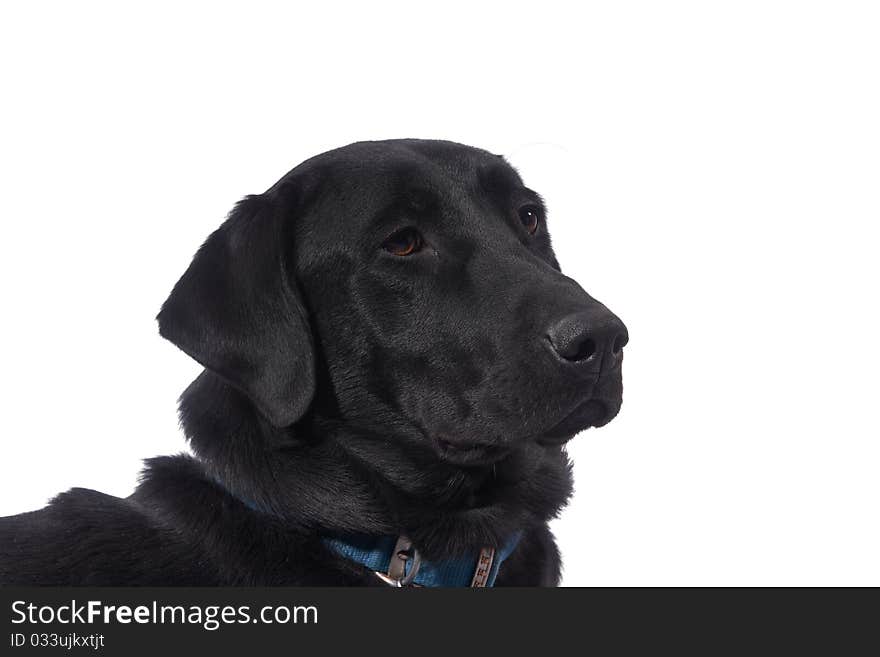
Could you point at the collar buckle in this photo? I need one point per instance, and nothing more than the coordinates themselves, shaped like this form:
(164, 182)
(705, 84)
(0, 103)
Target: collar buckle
(397, 575)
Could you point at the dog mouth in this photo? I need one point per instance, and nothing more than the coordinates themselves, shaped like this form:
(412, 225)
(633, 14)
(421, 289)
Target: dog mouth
(591, 413)
(595, 411)
(469, 453)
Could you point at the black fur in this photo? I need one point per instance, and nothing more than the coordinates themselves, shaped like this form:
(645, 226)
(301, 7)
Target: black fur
(351, 390)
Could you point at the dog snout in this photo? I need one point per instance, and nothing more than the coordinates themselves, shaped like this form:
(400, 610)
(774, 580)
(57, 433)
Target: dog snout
(591, 338)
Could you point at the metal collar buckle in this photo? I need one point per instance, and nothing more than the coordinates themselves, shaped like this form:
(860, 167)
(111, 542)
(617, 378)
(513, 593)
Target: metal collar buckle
(397, 575)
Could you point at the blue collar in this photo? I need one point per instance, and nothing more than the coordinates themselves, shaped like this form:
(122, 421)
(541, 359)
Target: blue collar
(377, 552)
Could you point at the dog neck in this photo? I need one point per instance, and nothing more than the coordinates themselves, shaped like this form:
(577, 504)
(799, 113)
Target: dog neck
(334, 479)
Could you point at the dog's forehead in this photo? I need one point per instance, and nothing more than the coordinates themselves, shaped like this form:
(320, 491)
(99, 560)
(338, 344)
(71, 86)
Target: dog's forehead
(368, 187)
(418, 172)
(451, 157)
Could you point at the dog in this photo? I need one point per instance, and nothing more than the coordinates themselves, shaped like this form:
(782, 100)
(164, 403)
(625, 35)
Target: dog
(393, 363)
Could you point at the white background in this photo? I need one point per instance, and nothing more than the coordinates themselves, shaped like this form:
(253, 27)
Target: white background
(712, 174)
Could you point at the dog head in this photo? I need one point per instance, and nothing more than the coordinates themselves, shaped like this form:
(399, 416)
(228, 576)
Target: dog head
(407, 289)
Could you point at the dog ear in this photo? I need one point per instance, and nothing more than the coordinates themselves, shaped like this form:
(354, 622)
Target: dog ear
(237, 311)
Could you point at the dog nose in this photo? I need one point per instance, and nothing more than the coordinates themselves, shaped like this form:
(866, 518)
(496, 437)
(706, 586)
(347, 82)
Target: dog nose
(589, 337)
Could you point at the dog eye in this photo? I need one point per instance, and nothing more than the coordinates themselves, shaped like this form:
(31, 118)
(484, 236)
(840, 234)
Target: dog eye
(530, 216)
(404, 242)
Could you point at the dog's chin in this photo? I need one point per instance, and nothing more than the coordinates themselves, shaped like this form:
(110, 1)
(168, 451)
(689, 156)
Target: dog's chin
(591, 413)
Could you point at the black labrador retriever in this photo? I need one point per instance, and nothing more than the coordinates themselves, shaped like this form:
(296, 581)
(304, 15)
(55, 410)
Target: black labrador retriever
(393, 364)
